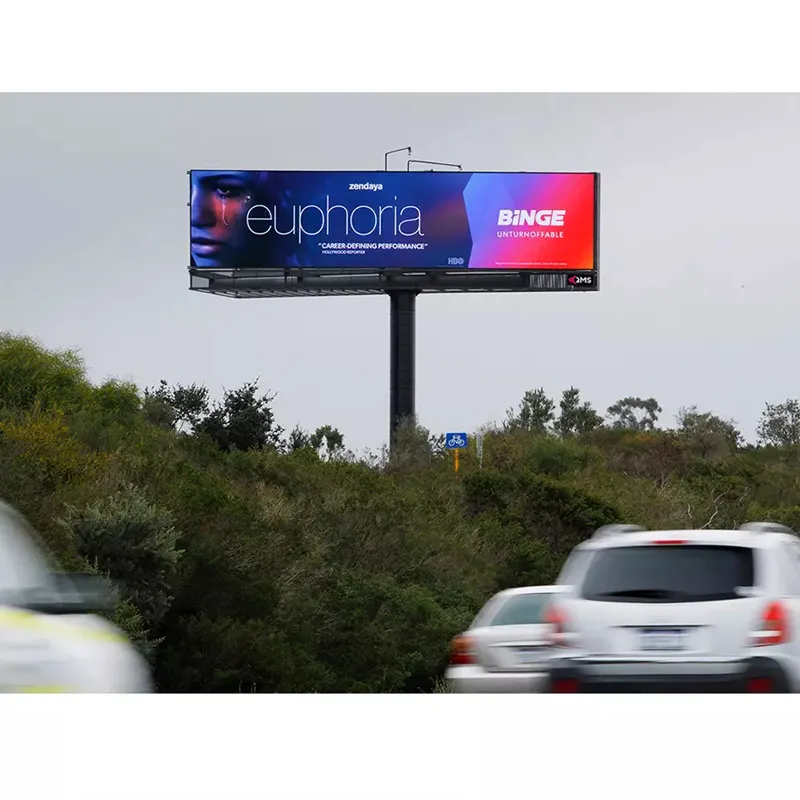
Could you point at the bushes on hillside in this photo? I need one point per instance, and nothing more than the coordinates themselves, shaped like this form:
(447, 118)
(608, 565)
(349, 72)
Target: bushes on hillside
(246, 559)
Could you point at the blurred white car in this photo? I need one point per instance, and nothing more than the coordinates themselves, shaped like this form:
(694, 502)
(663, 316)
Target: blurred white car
(679, 611)
(50, 637)
(507, 647)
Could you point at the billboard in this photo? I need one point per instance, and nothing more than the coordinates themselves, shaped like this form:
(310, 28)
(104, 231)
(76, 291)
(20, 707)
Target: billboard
(394, 220)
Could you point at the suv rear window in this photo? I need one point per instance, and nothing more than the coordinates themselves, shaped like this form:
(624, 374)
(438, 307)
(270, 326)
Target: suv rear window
(574, 567)
(668, 574)
(521, 609)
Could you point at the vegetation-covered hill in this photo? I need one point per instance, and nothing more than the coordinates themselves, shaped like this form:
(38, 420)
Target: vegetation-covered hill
(245, 556)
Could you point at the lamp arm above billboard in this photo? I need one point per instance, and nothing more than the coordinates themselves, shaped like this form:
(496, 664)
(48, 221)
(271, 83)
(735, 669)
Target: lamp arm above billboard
(390, 152)
(435, 163)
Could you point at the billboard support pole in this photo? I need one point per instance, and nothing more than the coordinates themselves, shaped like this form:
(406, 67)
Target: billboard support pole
(402, 358)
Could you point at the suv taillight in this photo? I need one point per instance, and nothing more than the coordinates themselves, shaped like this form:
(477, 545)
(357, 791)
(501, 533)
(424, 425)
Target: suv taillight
(557, 619)
(565, 686)
(462, 651)
(774, 626)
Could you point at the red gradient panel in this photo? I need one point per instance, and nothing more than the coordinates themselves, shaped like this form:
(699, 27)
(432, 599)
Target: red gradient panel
(570, 246)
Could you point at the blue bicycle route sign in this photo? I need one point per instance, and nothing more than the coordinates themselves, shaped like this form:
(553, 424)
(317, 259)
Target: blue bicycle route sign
(455, 441)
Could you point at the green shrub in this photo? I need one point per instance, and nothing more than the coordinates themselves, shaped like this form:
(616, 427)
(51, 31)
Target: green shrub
(134, 542)
(34, 377)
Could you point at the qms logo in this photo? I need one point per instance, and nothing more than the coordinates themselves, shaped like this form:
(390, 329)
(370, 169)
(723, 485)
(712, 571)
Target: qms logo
(520, 217)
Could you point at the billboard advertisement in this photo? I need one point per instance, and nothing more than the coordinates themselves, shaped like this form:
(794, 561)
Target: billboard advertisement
(393, 220)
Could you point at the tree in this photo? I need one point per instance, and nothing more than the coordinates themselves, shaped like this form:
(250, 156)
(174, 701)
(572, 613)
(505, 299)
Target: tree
(182, 407)
(634, 413)
(535, 414)
(576, 417)
(414, 447)
(242, 421)
(325, 436)
(708, 435)
(779, 425)
(298, 439)
(329, 438)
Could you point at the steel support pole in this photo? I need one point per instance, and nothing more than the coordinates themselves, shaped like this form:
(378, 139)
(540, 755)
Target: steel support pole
(402, 344)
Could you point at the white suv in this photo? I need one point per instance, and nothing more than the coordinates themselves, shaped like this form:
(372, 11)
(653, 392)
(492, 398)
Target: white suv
(679, 611)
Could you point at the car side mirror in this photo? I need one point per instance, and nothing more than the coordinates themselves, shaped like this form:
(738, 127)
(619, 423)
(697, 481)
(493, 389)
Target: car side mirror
(90, 590)
(70, 593)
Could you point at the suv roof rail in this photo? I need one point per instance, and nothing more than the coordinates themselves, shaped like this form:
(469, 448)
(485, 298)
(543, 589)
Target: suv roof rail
(612, 530)
(767, 527)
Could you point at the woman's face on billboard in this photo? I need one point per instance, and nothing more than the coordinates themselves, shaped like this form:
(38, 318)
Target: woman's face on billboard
(219, 205)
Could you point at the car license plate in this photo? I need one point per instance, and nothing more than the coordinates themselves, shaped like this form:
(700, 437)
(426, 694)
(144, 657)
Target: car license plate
(664, 639)
(529, 655)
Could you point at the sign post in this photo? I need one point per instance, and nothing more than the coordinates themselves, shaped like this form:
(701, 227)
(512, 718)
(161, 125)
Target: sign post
(479, 449)
(456, 442)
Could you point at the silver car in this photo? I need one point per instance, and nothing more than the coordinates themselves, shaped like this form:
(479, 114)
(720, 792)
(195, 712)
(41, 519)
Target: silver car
(507, 647)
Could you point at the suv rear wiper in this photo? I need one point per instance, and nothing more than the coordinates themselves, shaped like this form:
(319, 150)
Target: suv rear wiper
(645, 594)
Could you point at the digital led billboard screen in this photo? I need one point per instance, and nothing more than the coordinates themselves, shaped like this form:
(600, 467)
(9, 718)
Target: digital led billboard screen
(394, 220)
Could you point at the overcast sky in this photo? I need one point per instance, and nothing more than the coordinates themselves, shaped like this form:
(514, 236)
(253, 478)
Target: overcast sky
(699, 250)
